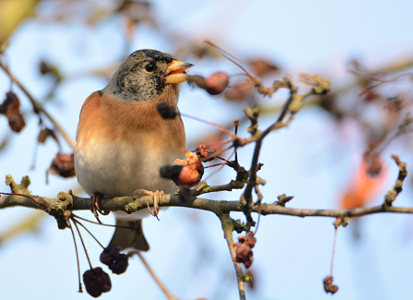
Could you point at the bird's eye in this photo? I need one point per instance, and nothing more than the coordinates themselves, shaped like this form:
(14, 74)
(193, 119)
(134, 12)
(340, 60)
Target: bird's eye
(150, 67)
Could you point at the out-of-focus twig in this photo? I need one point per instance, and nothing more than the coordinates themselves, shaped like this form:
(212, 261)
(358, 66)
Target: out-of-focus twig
(164, 289)
(38, 107)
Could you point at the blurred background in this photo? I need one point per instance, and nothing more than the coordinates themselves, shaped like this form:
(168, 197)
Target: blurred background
(335, 153)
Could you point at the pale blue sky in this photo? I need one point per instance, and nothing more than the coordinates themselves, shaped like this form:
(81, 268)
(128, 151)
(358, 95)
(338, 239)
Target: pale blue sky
(306, 160)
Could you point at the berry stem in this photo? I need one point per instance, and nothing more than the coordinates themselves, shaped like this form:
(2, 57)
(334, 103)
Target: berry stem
(229, 56)
(77, 260)
(220, 168)
(209, 123)
(102, 224)
(88, 231)
(83, 245)
(333, 251)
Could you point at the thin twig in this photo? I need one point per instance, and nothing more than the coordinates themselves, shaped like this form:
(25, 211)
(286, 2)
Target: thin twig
(221, 166)
(254, 163)
(228, 56)
(222, 128)
(236, 125)
(38, 201)
(227, 227)
(164, 289)
(258, 203)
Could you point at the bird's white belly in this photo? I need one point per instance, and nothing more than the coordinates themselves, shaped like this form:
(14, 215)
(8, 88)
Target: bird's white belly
(118, 169)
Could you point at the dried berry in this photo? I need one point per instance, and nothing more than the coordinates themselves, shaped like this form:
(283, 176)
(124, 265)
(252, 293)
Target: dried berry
(250, 239)
(216, 83)
(106, 255)
(116, 261)
(374, 164)
(244, 254)
(167, 111)
(205, 152)
(262, 66)
(119, 264)
(11, 108)
(62, 165)
(192, 170)
(243, 249)
(329, 287)
(239, 91)
(210, 146)
(96, 282)
(44, 134)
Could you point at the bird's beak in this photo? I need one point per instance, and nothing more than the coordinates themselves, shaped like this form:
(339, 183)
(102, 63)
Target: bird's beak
(175, 73)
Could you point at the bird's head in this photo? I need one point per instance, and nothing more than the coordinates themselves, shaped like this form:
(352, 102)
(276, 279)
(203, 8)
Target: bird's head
(145, 75)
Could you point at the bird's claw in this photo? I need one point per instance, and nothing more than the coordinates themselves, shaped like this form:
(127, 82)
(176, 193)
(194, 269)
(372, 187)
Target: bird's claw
(95, 206)
(156, 196)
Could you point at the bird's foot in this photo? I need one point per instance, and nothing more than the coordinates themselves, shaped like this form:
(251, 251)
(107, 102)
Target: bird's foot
(95, 206)
(156, 195)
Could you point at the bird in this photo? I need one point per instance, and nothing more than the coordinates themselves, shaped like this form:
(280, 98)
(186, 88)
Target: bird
(122, 140)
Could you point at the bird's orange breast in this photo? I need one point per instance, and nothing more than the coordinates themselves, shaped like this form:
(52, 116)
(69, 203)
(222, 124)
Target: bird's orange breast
(121, 145)
(102, 117)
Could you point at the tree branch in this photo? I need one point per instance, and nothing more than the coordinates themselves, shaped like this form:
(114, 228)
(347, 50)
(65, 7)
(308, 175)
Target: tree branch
(129, 204)
(228, 227)
(252, 181)
(58, 207)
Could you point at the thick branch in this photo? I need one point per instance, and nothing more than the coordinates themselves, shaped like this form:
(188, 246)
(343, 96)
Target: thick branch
(130, 205)
(66, 201)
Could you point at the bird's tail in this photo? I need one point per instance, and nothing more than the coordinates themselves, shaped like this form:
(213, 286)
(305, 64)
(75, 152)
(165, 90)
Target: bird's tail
(129, 234)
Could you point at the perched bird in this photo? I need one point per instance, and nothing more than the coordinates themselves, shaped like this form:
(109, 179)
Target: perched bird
(122, 140)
